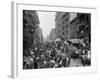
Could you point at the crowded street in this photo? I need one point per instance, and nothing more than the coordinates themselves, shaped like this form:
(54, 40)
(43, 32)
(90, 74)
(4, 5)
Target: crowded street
(55, 55)
(56, 39)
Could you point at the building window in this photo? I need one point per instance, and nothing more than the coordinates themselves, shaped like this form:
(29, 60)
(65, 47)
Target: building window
(63, 27)
(63, 33)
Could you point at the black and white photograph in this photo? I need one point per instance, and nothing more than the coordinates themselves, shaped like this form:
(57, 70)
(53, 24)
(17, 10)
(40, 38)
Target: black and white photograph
(55, 39)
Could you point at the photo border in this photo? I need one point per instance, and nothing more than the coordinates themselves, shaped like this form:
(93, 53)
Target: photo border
(17, 28)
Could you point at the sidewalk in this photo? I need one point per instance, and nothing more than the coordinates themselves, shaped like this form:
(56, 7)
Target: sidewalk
(75, 62)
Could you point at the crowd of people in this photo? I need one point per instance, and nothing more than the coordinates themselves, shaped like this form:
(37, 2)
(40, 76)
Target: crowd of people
(54, 55)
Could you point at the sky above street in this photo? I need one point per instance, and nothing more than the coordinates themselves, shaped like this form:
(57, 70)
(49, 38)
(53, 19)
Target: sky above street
(47, 22)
